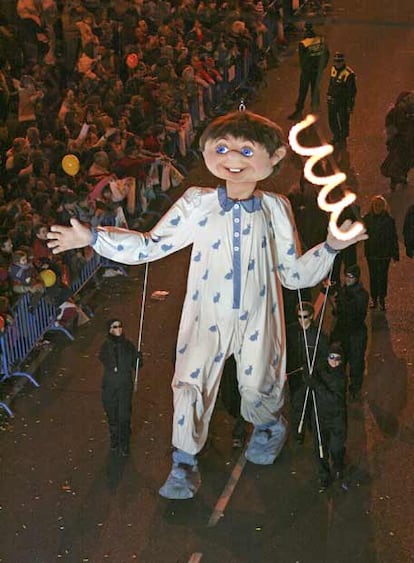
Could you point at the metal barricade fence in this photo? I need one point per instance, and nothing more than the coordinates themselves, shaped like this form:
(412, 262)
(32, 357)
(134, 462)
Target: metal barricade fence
(30, 324)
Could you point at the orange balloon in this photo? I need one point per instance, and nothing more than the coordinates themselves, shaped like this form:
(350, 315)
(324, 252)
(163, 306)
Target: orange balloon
(48, 277)
(132, 60)
(70, 164)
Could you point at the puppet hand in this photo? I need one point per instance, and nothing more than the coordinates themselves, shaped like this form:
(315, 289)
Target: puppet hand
(338, 244)
(66, 238)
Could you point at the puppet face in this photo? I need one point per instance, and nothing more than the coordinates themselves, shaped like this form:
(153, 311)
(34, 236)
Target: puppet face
(238, 160)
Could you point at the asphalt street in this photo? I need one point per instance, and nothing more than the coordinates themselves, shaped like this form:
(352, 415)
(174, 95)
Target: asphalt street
(64, 497)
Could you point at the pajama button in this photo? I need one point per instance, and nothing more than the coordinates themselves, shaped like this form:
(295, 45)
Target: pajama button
(236, 248)
(236, 235)
(236, 206)
(237, 220)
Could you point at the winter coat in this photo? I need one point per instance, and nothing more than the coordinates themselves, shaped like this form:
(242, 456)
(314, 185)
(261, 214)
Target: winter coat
(408, 231)
(330, 389)
(351, 308)
(383, 240)
(118, 356)
(296, 351)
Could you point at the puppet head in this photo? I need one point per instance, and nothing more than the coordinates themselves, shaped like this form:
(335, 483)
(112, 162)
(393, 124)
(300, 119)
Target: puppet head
(242, 148)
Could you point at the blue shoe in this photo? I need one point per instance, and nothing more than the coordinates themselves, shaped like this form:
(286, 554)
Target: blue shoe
(267, 442)
(184, 479)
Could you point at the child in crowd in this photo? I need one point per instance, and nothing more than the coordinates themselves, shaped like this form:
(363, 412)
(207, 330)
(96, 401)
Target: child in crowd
(24, 277)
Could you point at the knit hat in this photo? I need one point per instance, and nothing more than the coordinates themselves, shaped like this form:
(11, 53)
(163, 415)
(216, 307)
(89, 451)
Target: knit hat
(336, 348)
(354, 271)
(110, 322)
(339, 57)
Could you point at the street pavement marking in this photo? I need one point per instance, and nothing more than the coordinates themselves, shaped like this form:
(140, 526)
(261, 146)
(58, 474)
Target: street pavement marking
(222, 502)
(195, 558)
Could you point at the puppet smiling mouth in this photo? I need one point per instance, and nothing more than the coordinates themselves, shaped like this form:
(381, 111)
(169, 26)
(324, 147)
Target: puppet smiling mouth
(235, 170)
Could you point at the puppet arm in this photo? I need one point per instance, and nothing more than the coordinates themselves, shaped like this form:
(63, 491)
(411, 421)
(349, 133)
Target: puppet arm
(306, 270)
(173, 232)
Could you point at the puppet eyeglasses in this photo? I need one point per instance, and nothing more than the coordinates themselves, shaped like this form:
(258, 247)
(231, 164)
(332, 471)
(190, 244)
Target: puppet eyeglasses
(303, 316)
(116, 326)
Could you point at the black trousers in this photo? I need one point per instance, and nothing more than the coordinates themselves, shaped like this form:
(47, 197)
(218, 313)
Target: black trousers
(117, 405)
(355, 347)
(310, 79)
(333, 439)
(338, 117)
(378, 277)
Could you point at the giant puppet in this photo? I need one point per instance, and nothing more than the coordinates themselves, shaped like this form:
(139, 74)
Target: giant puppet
(244, 246)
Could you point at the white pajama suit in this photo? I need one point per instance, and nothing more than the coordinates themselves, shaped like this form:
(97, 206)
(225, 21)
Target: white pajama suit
(233, 302)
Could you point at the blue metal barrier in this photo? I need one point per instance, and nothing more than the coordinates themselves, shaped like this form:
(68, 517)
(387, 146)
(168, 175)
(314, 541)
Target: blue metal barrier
(31, 324)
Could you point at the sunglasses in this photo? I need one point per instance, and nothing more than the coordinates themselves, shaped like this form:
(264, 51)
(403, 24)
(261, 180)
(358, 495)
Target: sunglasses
(116, 326)
(335, 357)
(303, 316)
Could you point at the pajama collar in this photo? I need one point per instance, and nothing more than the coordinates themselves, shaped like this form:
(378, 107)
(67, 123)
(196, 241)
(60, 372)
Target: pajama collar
(250, 205)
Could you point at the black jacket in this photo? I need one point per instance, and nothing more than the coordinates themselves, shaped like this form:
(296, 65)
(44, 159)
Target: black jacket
(296, 351)
(119, 357)
(351, 306)
(383, 239)
(408, 231)
(330, 390)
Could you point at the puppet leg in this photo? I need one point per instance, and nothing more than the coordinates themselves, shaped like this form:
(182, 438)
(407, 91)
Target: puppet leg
(267, 441)
(184, 478)
(261, 389)
(192, 413)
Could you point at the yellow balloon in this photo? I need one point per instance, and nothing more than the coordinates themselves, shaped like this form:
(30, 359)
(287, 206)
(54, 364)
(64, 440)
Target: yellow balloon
(70, 164)
(48, 277)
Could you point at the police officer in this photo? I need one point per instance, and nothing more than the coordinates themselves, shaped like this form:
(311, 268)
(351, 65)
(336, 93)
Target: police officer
(341, 99)
(313, 58)
(351, 306)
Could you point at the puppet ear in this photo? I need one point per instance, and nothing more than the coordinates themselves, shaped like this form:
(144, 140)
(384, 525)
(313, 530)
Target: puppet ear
(278, 155)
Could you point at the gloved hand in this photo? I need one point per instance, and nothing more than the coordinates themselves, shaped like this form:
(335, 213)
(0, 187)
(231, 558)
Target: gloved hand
(310, 382)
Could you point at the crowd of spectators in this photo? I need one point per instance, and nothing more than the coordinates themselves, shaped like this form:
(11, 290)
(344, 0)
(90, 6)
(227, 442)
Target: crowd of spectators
(120, 86)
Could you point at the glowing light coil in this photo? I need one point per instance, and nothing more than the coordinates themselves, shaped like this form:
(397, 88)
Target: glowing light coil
(315, 154)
